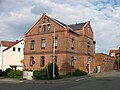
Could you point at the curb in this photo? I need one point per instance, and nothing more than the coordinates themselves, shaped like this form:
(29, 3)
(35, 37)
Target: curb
(67, 80)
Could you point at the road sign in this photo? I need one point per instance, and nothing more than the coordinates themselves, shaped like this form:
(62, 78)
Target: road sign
(89, 59)
(33, 62)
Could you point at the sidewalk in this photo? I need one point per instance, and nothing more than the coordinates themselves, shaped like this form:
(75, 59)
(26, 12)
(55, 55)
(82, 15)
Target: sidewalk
(64, 80)
(58, 81)
(10, 80)
(113, 73)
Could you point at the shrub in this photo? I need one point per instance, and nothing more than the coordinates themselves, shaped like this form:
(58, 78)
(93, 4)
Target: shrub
(40, 74)
(77, 73)
(70, 73)
(14, 74)
(46, 73)
(7, 71)
(117, 61)
(49, 70)
(1, 73)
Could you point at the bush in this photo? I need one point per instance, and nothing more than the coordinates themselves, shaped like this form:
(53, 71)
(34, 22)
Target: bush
(77, 73)
(49, 70)
(7, 71)
(40, 74)
(14, 74)
(1, 72)
(117, 61)
(46, 73)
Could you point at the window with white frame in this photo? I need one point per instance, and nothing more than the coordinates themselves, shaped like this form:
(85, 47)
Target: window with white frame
(43, 44)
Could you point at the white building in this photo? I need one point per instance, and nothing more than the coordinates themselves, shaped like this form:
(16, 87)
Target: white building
(11, 54)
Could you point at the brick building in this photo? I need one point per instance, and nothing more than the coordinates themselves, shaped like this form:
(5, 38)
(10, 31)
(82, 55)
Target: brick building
(74, 45)
(105, 62)
(115, 53)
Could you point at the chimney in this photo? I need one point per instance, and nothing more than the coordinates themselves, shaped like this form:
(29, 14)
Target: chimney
(44, 13)
(17, 41)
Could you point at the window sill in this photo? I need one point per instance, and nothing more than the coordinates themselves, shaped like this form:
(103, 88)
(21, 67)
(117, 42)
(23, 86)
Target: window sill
(42, 47)
(32, 49)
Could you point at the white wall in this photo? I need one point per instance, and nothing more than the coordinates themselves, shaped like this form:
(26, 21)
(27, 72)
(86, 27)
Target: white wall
(11, 57)
(1, 56)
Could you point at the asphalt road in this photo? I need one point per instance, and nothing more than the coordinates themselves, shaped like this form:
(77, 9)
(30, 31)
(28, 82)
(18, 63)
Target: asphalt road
(108, 82)
(104, 83)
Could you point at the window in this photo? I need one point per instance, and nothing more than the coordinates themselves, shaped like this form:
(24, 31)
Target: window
(39, 28)
(72, 61)
(72, 43)
(88, 42)
(88, 49)
(42, 61)
(31, 61)
(18, 49)
(44, 28)
(56, 42)
(48, 27)
(32, 44)
(13, 48)
(22, 43)
(43, 44)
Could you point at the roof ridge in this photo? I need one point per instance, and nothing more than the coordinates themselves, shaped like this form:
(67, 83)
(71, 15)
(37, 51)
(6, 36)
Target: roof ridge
(59, 22)
(78, 23)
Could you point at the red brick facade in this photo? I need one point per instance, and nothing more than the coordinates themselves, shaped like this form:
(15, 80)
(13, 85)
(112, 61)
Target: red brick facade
(73, 46)
(105, 61)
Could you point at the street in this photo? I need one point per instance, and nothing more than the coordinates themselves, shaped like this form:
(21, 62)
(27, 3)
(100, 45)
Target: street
(105, 82)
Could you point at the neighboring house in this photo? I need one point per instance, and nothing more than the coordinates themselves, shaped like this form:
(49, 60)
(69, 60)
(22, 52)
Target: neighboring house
(104, 62)
(74, 45)
(11, 53)
(116, 55)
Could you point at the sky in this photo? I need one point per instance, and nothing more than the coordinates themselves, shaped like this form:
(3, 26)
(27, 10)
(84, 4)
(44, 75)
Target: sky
(18, 16)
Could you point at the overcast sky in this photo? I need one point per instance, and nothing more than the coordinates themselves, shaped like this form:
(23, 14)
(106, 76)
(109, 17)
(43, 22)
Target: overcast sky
(17, 16)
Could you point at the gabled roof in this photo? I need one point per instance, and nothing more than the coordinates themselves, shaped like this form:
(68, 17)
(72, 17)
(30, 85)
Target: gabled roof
(60, 22)
(77, 26)
(9, 44)
(71, 27)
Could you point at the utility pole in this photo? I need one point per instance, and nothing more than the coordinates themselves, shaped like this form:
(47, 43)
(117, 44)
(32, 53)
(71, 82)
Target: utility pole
(54, 56)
